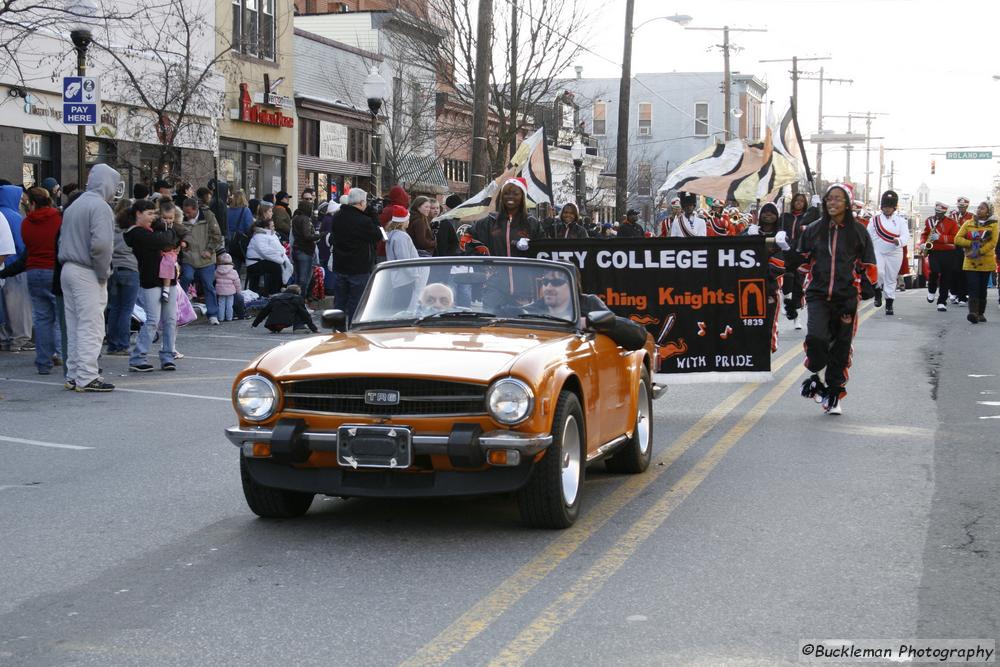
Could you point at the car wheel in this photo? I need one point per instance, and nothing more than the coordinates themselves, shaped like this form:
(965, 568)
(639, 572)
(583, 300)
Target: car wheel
(271, 503)
(551, 498)
(635, 455)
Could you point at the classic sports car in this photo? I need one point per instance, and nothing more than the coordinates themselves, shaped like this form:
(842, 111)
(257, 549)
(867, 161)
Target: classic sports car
(456, 377)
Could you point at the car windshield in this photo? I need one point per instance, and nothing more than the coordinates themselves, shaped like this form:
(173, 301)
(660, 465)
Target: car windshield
(446, 289)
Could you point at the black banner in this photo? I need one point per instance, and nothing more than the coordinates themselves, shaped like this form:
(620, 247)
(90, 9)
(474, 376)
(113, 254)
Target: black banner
(704, 300)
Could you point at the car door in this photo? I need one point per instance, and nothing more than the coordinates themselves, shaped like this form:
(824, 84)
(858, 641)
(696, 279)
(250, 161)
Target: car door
(610, 365)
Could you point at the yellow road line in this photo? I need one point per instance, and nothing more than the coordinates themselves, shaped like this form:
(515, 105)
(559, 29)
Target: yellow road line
(480, 616)
(548, 622)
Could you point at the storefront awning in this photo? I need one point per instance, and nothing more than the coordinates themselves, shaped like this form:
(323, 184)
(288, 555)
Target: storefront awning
(422, 173)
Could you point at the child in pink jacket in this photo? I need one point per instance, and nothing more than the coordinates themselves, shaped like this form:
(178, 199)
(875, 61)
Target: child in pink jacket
(227, 284)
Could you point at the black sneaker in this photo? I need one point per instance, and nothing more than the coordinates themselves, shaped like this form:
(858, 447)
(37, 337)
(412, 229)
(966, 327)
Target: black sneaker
(140, 368)
(69, 385)
(168, 366)
(97, 385)
(164, 295)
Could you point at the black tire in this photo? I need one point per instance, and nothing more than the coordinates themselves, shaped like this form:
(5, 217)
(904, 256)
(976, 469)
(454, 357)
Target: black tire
(542, 502)
(271, 503)
(631, 457)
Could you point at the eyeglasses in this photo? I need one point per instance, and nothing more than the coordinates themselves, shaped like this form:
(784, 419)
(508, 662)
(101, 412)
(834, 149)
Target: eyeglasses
(555, 282)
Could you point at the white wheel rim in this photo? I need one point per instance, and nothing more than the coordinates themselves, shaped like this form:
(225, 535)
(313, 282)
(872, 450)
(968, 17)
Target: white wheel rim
(570, 460)
(642, 416)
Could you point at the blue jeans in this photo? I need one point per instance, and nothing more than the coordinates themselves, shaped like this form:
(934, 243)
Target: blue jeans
(44, 319)
(155, 310)
(303, 270)
(347, 290)
(205, 276)
(123, 288)
(226, 307)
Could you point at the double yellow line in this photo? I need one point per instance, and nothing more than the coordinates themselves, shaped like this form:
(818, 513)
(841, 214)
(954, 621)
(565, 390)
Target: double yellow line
(477, 619)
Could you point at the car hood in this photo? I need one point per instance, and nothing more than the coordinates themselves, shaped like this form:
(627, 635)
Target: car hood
(476, 355)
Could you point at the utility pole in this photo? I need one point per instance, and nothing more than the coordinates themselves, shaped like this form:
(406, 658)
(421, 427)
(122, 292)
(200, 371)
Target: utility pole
(479, 167)
(819, 130)
(624, 102)
(795, 60)
(726, 75)
(868, 117)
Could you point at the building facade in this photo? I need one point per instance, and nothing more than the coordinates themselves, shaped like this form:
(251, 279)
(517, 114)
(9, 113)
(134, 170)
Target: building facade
(258, 132)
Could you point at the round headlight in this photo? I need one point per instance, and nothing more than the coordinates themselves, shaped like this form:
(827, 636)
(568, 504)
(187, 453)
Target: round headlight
(256, 398)
(509, 401)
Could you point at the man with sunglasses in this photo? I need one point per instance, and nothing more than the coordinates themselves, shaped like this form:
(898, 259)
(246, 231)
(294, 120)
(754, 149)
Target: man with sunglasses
(836, 251)
(556, 297)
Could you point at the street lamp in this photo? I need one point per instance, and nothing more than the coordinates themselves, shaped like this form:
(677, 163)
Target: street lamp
(83, 12)
(577, 151)
(374, 89)
(624, 102)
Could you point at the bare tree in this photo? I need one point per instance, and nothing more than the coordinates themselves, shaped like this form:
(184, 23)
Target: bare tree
(534, 42)
(160, 61)
(23, 21)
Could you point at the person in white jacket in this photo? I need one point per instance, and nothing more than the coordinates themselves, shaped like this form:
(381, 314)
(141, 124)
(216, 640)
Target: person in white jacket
(266, 259)
(687, 223)
(406, 283)
(890, 232)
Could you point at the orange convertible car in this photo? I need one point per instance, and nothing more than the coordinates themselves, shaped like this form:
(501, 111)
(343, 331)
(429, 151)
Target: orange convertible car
(456, 377)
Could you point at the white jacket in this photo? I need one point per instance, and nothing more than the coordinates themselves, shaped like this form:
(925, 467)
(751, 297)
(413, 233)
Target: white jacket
(889, 235)
(681, 226)
(264, 245)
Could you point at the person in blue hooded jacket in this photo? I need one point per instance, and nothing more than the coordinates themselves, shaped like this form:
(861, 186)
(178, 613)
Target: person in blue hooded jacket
(15, 333)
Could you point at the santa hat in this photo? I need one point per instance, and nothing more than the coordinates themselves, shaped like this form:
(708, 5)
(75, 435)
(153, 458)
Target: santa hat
(848, 190)
(940, 206)
(517, 181)
(675, 202)
(399, 214)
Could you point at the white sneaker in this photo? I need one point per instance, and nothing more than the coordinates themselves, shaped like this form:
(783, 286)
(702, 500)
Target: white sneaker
(942, 308)
(930, 297)
(835, 410)
(213, 320)
(178, 355)
(798, 323)
(953, 300)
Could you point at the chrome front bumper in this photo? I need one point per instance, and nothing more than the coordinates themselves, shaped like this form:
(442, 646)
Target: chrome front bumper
(528, 444)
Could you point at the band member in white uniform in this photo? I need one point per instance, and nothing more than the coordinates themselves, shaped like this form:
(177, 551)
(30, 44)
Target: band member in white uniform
(687, 223)
(889, 232)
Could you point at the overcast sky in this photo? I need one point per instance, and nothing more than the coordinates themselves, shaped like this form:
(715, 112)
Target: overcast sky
(928, 64)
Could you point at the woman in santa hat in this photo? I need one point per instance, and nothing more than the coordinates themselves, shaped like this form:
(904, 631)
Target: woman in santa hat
(406, 283)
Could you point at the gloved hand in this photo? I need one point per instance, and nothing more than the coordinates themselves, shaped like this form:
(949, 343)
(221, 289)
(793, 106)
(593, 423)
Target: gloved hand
(522, 244)
(781, 239)
(976, 236)
(753, 230)
(987, 234)
(933, 237)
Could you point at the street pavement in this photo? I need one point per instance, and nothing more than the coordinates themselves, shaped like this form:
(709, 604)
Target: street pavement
(125, 539)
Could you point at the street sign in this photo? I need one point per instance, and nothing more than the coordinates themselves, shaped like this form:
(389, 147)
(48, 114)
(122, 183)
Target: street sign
(81, 100)
(969, 155)
(833, 138)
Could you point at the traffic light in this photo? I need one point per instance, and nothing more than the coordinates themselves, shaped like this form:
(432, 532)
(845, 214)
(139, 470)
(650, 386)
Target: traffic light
(933, 165)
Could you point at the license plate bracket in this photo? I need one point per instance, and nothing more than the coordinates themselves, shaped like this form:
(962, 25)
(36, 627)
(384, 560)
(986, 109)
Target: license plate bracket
(366, 446)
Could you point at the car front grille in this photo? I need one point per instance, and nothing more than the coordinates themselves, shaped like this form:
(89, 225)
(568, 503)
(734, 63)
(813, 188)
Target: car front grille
(416, 397)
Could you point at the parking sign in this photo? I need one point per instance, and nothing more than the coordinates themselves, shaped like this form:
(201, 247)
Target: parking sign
(81, 100)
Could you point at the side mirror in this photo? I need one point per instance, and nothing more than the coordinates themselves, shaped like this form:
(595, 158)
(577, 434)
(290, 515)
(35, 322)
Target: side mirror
(335, 320)
(601, 320)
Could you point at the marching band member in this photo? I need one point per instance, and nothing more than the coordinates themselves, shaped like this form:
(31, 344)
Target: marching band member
(687, 223)
(835, 251)
(977, 239)
(718, 223)
(792, 223)
(889, 233)
(961, 215)
(768, 227)
(940, 231)
(675, 209)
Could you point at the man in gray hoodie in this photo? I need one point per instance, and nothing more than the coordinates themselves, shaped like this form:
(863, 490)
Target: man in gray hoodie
(86, 241)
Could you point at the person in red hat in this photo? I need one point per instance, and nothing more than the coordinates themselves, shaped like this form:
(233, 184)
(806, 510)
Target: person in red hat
(406, 285)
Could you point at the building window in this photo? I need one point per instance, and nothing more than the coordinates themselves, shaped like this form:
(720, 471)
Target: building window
(253, 28)
(644, 185)
(357, 146)
(645, 119)
(701, 119)
(308, 136)
(456, 170)
(600, 118)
